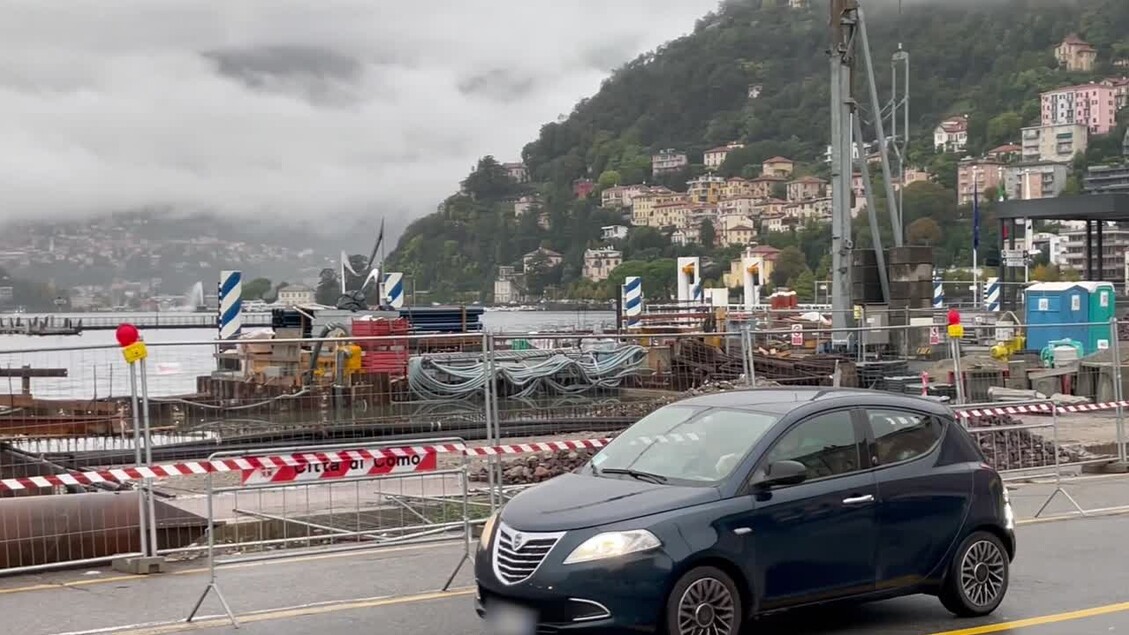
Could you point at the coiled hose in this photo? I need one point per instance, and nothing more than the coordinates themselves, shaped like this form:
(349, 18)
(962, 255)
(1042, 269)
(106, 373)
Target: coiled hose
(434, 378)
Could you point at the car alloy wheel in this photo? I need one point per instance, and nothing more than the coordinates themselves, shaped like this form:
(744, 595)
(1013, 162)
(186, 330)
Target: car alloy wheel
(982, 573)
(707, 608)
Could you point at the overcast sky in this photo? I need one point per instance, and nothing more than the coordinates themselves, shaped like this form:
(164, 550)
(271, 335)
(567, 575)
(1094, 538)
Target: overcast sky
(289, 107)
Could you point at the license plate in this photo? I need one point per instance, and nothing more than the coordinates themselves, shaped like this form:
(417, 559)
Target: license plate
(508, 619)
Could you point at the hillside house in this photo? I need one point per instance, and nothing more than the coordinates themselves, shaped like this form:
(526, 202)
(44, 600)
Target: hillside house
(806, 187)
(1076, 54)
(780, 167)
(582, 187)
(525, 204)
(668, 160)
(621, 195)
(741, 233)
(548, 256)
(705, 189)
(765, 185)
(1005, 153)
(643, 205)
(951, 135)
(599, 263)
(764, 253)
(613, 232)
(714, 157)
(516, 171)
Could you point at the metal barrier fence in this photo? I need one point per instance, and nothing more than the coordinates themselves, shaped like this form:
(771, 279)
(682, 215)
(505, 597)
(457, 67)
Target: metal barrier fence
(265, 394)
(294, 500)
(1023, 450)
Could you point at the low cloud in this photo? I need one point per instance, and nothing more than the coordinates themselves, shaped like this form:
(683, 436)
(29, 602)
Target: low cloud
(288, 109)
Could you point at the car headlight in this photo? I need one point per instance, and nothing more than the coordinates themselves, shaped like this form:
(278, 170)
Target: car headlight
(487, 530)
(613, 544)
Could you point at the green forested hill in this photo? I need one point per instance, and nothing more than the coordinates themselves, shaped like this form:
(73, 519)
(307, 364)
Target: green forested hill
(987, 59)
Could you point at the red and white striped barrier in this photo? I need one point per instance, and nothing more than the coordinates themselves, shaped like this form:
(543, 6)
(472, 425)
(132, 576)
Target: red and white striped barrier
(307, 467)
(331, 469)
(526, 448)
(1041, 408)
(280, 466)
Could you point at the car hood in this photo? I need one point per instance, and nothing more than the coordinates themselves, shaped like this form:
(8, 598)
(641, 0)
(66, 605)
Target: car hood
(576, 501)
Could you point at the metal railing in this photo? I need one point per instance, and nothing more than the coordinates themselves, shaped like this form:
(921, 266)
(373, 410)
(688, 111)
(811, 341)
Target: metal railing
(293, 509)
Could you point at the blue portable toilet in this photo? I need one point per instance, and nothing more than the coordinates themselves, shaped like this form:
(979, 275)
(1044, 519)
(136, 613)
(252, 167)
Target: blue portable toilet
(1102, 310)
(1065, 305)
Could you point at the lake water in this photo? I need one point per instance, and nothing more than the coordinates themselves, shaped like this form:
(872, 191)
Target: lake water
(95, 368)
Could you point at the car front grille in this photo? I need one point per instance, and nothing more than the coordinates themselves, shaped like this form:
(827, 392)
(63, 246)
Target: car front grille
(518, 554)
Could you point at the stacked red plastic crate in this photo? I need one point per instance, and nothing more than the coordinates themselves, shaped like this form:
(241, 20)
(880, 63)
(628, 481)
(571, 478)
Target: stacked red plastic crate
(389, 353)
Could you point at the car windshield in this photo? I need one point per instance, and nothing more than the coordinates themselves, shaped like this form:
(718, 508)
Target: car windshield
(683, 445)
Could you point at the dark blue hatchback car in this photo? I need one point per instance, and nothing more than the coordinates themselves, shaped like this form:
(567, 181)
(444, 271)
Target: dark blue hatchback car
(717, 509)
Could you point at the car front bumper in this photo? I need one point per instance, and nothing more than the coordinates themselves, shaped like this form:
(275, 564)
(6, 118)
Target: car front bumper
(624, 595)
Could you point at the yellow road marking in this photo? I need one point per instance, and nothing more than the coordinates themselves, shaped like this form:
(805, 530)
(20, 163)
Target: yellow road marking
(195, 570)
(1041, 621)
(280, 614)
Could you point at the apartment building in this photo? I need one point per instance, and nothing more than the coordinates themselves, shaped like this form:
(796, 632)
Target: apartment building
(1091, 105)
(1115, 243)
(1054, 142)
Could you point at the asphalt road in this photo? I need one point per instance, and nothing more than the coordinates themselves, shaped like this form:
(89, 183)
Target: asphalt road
(1063, 567)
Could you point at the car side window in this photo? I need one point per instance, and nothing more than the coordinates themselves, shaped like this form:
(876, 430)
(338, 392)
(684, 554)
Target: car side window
(825, 444)
(902, 436)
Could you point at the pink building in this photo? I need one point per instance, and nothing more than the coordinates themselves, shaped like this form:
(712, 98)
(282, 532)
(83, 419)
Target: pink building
(1090, 105)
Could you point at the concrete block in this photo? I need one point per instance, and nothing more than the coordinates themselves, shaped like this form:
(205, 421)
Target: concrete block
(1113, 467)
(138, 565)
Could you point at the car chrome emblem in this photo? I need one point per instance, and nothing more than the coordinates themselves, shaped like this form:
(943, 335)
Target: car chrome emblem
(519, 541)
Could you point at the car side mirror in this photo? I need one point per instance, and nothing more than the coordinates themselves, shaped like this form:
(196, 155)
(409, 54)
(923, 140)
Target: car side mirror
(783, 473)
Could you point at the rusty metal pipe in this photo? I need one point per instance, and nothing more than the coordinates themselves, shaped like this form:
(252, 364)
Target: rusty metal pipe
(68, 529)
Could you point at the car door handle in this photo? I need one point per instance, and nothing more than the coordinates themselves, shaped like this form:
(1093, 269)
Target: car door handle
(858, 500)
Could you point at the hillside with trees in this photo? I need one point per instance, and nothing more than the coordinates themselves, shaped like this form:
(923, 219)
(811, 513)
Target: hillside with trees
(756, 72)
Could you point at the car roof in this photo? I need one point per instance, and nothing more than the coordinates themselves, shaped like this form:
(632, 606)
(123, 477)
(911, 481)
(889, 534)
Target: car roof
(783, 400)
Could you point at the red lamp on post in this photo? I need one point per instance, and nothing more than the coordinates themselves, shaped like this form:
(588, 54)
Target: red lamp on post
(129, 339)
(956, 329)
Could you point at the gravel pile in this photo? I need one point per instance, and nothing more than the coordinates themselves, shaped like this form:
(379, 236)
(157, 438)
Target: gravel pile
(1019, 449)
(535, 468)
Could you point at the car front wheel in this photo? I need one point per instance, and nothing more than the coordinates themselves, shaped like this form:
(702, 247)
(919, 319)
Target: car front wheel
(705, 601)
(978, 576)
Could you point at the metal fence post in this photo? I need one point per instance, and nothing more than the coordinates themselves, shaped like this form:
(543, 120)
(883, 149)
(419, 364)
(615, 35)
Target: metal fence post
(142, 512)
(212, 584)
(147, 483)
(1058, 469)
(954, 346)
(748, 350)
(488, 413)
(1115, 350)
(492, 384)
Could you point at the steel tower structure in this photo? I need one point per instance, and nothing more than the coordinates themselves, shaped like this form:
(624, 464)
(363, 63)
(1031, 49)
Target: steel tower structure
(849, 41)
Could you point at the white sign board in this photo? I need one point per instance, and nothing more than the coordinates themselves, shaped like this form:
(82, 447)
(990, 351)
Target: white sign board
(1013, 257)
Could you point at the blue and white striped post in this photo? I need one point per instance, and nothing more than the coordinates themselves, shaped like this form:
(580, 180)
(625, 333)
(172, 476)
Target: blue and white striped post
(938, 292)
(992, 295)
(394, 289)
(632, 300)
(231, 304)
